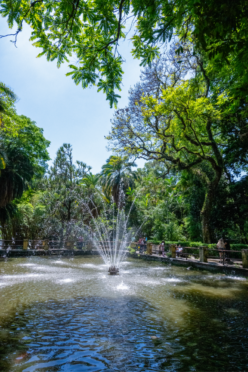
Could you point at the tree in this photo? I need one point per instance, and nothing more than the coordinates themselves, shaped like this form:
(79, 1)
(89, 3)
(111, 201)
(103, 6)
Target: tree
(25, 151)
(28, 220)
(7, 98)
(91, 181)
(176, 121)
(92, 32)
(26, 157)
(6, 94)
(117, 174)
(160, 209)
(63, 194)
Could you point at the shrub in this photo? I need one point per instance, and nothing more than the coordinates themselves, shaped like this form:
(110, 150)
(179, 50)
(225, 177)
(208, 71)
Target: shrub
(131, 250)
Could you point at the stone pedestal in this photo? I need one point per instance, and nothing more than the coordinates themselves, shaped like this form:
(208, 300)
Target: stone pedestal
(172, 248)
(245, 258)
(70, 244)
(25, 243)
(203, 253)
(149, 248)
(89, 246)
(45, 244)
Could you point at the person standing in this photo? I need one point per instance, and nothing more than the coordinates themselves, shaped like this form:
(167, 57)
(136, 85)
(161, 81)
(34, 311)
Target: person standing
(80, 242)
(141, 245)
(179, 250)
(162, 247)
(221, 246)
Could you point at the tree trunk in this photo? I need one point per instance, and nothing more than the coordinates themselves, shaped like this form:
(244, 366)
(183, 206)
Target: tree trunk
(207, 208)
(206, 230)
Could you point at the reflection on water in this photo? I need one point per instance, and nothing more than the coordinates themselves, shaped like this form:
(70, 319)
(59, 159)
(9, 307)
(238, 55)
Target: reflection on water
(69, 315)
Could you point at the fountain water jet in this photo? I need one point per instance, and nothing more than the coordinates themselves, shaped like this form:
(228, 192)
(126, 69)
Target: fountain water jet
(109, 232)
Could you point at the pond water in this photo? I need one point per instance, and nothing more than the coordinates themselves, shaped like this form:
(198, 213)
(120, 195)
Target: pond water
(70, 315)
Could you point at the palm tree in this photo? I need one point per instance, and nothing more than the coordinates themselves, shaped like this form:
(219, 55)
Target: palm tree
(91, 180)
(5, 94)
(117, 173)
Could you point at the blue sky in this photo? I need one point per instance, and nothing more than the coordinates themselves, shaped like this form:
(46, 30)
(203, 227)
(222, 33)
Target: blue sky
(66, 112)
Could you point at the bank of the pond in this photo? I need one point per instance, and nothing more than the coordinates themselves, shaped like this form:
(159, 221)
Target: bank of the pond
(43, 252)
(215, 267)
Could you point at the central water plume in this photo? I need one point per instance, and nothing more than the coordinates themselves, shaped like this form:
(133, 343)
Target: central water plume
(109, 232)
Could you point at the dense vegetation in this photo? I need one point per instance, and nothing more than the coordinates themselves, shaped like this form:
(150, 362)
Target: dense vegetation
(187, 117)
(38, 202)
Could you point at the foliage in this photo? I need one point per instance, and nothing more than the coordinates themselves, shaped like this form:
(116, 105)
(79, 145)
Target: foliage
(117, 174)
(6, 95)
(167, 195)
(26, 157)
(157, 202)
(62, 195)
(178, 122)
(28, 221)
(23, 157)
(131, 250)
(93, 30)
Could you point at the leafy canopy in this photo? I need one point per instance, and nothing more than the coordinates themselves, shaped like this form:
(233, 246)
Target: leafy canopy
(91, 31)
(23, 152)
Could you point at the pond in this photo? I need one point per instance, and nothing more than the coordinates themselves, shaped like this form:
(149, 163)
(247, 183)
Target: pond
(70, 315)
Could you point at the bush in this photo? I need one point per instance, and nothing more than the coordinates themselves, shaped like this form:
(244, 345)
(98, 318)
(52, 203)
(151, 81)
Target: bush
(131, 250)
(171, 230)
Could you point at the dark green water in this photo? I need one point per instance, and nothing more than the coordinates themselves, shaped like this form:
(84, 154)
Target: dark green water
(69, 315)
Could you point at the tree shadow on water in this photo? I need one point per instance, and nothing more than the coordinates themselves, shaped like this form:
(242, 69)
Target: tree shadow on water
(125, 334)
(216, 326)
(82, 334)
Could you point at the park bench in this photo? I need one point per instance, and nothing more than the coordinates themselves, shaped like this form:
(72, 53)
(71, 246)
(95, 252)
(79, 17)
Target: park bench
(183, 255)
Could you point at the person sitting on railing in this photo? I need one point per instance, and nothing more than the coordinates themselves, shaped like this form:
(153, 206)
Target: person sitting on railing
(179, 250)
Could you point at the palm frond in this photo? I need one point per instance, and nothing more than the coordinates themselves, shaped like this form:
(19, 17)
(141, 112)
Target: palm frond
(4, 90)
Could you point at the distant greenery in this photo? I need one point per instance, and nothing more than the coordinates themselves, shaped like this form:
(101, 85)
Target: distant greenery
(163, 207)
(166, 200)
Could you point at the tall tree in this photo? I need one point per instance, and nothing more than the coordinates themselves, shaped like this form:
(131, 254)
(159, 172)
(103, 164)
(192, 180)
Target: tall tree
(26, 159)
(63, 193)
(178, 122)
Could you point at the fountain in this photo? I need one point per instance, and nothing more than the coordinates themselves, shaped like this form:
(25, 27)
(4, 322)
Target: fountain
(113, 270)
(109, 232)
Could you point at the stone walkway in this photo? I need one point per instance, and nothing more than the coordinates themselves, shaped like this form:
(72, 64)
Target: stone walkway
(212, 264)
